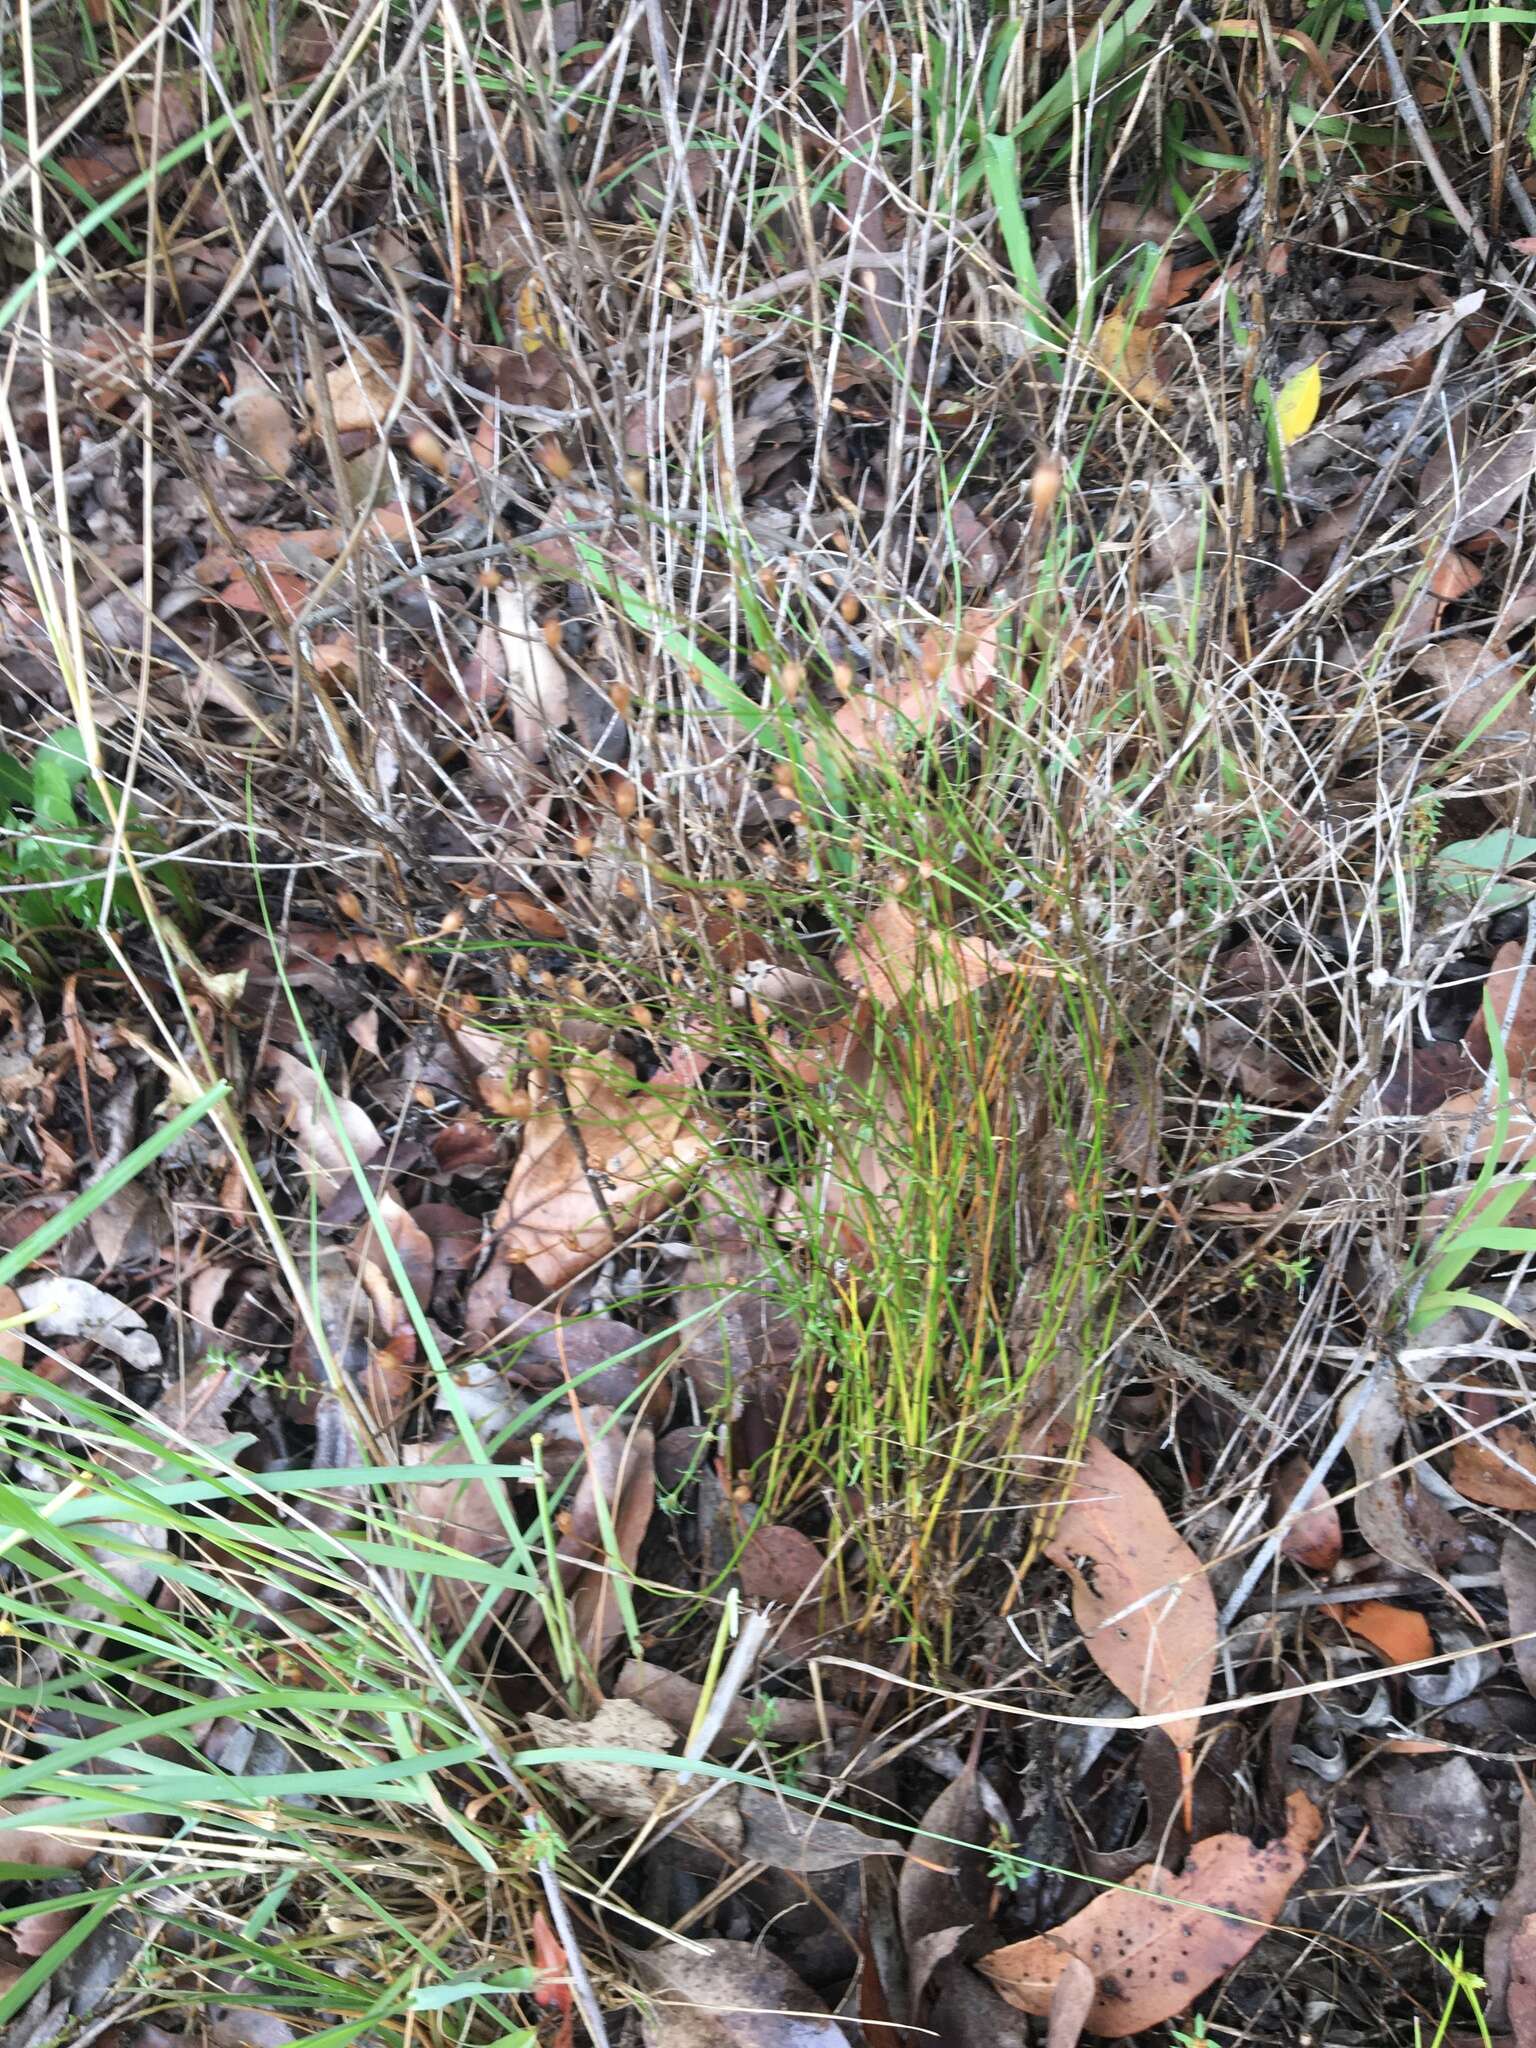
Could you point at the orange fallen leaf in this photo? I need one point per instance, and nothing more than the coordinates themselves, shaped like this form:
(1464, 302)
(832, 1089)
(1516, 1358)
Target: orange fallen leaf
(1155, 1945)
(893, 957)
(1145, 1606)
(1401, 1634)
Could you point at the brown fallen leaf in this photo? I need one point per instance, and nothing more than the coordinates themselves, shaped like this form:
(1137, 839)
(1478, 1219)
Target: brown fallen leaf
(1155, 1946)
(568, 1197)
(954, 669)
(1400, 1633)
(1518, 1902)
(1250, 992)
(1315, 1539)
(1517, 1575)
(1397, 360)
(360, 391)
(1483, 689)
(1404, 1524)
(317, 1127)
(1125, 349)
(1498, 1471)
(944, 1883)
(893, 960)
(1144, 1604)
(1520, 1998)
(261, 420)
(1466, 491)
(732, 1995)
(1071, 2002)
(677, 1700)
(735, 1337)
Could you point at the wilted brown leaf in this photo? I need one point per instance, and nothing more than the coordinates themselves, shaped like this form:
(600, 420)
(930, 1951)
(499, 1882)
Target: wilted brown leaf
(1144, 1603)
(1402, 1523)
(1518, 1902)
(261, 420)
(1126, 351)
(1158, 1944)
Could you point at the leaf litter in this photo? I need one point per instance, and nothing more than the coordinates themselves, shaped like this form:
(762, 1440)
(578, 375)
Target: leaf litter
(723, 881)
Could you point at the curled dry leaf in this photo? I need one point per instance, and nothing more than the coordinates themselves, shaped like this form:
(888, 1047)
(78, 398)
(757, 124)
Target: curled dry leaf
(318, 1127)
(732, 1995)
(893, 960)
(677, 1700)
(1400, 1633)
(627, 1151)
(1144, 1604)
(943, 1884)
(1156, 1945)
(1404, 1525)
(60, 1308)
(261, 420)
(1315, 1539)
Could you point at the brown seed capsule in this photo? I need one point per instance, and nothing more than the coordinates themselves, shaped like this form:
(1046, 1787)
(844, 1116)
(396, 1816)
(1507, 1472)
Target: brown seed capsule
(626, 800)
(791, 680)
(842, 678)
(423, 1097)
(541, 1047)
(518, 962)
(452, 922)
(490, 577)
(850, 610)
(625, 887)
(622, 698)
(760, 661)
(349, 906)
(411, 976)
(738, 900)
(576, 988)
(730, 347)
(741, 1495)
(634, 479)
(707, 391)
(645, 830)
(582, 845)
(554, 632)
(640, 1016)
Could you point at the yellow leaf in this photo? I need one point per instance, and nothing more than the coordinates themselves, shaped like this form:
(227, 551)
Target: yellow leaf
(1296, 407)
